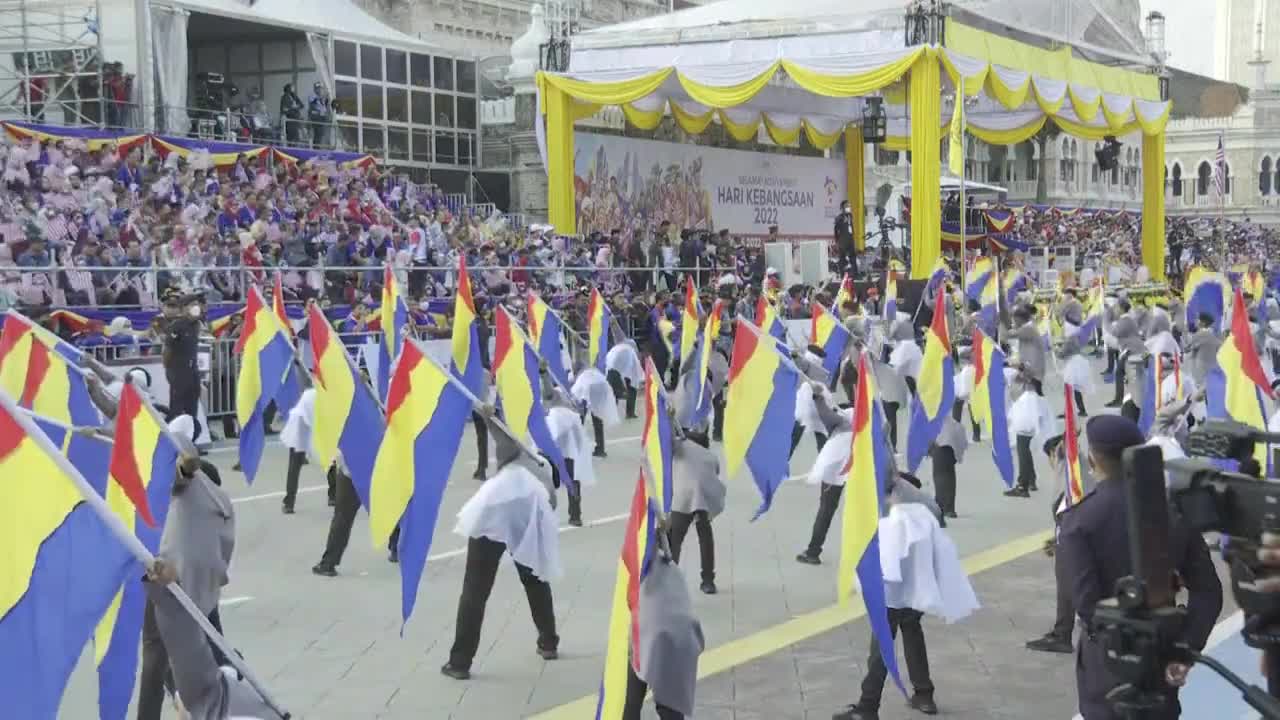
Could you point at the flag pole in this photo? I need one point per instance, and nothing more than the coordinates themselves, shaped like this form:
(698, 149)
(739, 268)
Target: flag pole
(964, 242)
(135, 547)
(453, 380)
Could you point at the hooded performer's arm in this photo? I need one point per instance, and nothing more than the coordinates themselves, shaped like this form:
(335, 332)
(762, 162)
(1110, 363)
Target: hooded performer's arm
(831, 418)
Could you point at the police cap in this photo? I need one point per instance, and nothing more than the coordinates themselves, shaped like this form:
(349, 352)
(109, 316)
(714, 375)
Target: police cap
(1109, 435)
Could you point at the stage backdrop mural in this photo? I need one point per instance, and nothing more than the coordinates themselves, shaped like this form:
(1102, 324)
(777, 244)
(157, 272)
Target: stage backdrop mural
(636, 184)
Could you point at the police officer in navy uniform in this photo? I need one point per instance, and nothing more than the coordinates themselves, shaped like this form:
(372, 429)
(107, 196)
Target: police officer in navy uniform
(1090, 533)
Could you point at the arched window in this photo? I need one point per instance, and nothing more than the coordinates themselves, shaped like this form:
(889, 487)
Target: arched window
(1177, 179)
(1075, 153)
(1264, 177)
(1204, 174)
(1226, 178)
(1166, 178)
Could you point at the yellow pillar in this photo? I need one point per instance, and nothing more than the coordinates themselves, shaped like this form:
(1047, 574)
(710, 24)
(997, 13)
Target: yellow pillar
(560, 189)
(1153, 238)
(855, 188)
(925, 90)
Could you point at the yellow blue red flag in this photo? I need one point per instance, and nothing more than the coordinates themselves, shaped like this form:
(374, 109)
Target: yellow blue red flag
(1206, 293)
(515, 374)
(265, 356)
(935, 387)
(826, 332)
(1071, 452)
(622, 653)
(845, 294)
(143, 460)
(546, 331)
(767, 319)
(394, 326)
(598, 319)
(759, 411)
(426, 414)
(689, 323)
(980, 276)
(890, 297)
(709, 334)
(1235, 387)
(348, 419)
(291, 389)
(466, 365)
(937, 277)
(61, 568)
(656, 438)
(860, 547)
(41, 373)
(987, 401)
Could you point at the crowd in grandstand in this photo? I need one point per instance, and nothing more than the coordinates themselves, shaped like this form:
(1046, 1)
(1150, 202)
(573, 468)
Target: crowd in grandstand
(104, 227)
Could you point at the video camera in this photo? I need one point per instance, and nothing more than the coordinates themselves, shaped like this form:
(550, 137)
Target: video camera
(1139, 628)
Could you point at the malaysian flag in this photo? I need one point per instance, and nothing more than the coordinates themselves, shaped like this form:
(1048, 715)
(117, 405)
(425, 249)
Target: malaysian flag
(1220, 169)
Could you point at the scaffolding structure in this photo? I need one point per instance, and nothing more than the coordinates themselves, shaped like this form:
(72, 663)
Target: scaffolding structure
(51, 68)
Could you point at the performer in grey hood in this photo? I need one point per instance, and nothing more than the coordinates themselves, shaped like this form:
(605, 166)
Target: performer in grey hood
(513, 511)
(697, 497)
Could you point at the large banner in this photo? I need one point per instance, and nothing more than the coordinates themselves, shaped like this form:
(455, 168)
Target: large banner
(636, 184)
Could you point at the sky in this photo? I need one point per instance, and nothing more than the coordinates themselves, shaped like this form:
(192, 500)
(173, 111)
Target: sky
(1189, 32)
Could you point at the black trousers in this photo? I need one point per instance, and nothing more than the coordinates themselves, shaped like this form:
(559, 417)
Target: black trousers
(1080, 404)
(155, 679)
(636, 690)
(1065, 616)
(347, 504)
(597, 426)
(1026, 463)
(483, 557)
(828, 501)
(297, 459)
(1112, 357)
(184, 396)
(1130, 410)
(680, 523)
(623, 390)
(797, 433)
(912, 646)
(957, 411)
(891, 414)
(1121, 365)
(717, 417)
(482, 441)
(574, 492)
(944, 477)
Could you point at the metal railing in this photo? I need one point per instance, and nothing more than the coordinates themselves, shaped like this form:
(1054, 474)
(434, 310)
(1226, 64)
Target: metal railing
(143, 286)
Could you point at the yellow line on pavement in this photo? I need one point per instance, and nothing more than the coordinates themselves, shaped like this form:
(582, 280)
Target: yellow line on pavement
(772, 639)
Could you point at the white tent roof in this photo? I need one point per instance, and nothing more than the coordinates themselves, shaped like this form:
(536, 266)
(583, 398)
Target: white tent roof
(951, 183)
(736, 19)
(341, 18)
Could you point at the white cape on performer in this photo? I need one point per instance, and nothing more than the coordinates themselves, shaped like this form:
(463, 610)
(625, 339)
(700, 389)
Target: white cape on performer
(592, 388)
(513, 507)
(569, 435)
(623, 358)
(921, 566)
(296, 434)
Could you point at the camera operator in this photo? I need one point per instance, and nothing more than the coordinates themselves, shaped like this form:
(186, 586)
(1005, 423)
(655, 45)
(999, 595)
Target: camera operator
(844, 232)
(1090, 535)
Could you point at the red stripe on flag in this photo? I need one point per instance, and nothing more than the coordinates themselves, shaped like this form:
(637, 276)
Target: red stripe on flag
(744, 345)
(124, 456)
(321, 339)
(632, 559)
(1242, 337)
(939, 324)
(37, 370)
(400, 386)
(11, 434)
(14, 329)
(502, 341)
(464, 286)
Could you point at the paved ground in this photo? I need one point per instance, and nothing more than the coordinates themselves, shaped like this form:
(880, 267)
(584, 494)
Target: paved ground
(332, 649)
